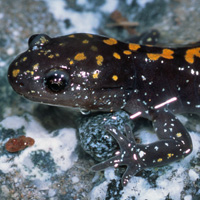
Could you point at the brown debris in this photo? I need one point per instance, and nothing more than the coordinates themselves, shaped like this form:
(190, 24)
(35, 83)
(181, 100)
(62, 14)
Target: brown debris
(120, 20)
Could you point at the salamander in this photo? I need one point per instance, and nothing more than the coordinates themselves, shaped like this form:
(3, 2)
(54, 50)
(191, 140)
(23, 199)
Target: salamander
(96, 73)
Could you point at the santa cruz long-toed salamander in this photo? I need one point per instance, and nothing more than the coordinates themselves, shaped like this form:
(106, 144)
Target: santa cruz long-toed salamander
(97, 73)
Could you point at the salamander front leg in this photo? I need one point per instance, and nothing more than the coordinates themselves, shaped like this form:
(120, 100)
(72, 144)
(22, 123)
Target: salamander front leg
(126, 156)
(175, 143)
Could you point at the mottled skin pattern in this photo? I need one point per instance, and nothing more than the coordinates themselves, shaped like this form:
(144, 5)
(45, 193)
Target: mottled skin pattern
(96, 73)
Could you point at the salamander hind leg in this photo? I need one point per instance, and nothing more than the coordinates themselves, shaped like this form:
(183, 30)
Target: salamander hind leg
(175, 143)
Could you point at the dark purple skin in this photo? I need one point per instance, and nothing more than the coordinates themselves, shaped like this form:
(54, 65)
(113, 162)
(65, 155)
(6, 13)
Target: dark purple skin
(92, 72)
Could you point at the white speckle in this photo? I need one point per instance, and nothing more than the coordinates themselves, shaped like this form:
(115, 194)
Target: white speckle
(2, 63)
(181, 68)
(51, 192)
(143, 3)
(188, 197)
(129, 2)
(13, 122)
(1, 15)
(183, 119)
(75, 179)
(110, 173)
(78, 87)
(82, 2)
(150, 83)
(156, 148)
(136, 91)
(10, 51)
(144, 102)
(193, 175)
(143, 78)
(99, 192)
(109, 6)
(86, 21)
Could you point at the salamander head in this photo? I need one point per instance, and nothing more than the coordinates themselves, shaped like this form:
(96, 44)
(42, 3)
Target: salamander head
(81, 70)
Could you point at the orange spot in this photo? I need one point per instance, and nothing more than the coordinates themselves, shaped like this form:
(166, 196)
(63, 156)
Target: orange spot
(133, 46)
(80, 56)
(160, 160)
(127, 52)
(44, 40)
(169, 155)
(28, 71)
(99, 59)
(90, 35)
(190, 53)
(20, 143)
(47, 51)
(153, 56)
(25, 58)
(36, 66)
(166, 53)
(116, 55)
(85, 42)
(178, 135)
(110, 41)
(71, 62)
(71, 36)
(149, 45)
(94, 48)
(15, 72)
(51, 56)
(115, 77)
(95, 75)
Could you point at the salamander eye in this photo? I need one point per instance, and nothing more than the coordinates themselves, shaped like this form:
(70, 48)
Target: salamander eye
(38, 40)
(56, 80)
